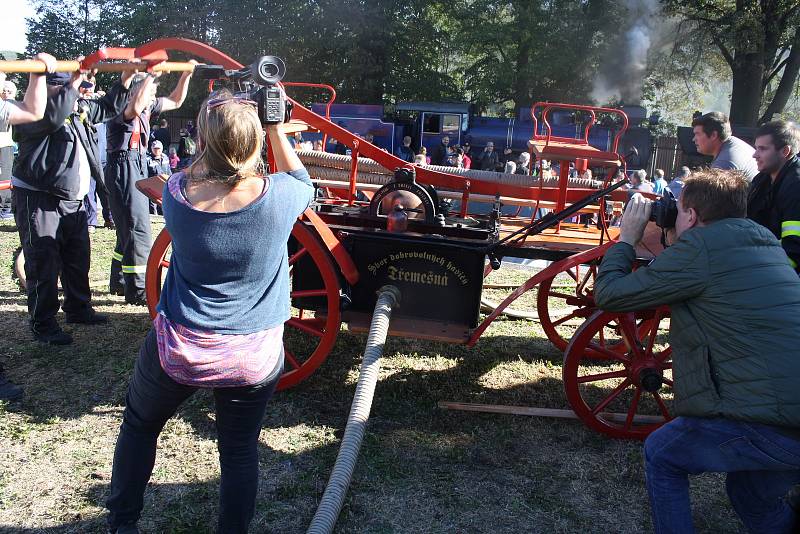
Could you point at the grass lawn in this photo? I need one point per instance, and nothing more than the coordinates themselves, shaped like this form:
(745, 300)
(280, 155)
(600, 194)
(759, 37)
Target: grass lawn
(421, 470)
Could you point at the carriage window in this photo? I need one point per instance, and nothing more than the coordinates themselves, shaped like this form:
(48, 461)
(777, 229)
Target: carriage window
(451, 124)
(431, 123)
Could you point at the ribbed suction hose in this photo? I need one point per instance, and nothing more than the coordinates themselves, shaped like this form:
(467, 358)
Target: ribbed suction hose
(336, 490)
(370, 171)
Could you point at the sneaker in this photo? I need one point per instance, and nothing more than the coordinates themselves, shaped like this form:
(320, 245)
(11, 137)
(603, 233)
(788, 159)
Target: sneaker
(138, 301)
(91, 318)
(8, 391)
(109, 224)
(54, 337)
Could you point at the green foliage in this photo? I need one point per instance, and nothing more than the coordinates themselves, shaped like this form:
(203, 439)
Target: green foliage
(758, 40)
(499, 55)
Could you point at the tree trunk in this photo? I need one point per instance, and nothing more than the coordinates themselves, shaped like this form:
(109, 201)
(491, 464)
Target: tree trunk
(787, 83)
(524, 29)
(521, 96)
(748, 73)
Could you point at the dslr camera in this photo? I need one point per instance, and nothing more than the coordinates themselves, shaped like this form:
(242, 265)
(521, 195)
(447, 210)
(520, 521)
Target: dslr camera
(259, 83)
(665, 210)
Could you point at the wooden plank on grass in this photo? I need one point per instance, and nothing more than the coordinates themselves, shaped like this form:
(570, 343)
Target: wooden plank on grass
(542, 412)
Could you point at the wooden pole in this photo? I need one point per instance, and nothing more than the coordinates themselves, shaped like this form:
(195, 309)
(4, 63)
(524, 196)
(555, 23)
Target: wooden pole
(543, 412)
(36, 66)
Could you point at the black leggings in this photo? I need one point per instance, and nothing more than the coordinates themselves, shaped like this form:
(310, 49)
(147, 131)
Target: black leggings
(153, 397)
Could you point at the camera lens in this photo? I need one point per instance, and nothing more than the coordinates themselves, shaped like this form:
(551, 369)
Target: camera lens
(268, 70)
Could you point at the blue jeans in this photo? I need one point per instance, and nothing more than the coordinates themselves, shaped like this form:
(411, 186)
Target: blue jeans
(762, 465)
(91, 204)
(153, 397)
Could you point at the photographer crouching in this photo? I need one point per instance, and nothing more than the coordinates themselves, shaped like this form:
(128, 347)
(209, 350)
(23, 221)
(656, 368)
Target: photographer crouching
(734, 333)
(223, 305)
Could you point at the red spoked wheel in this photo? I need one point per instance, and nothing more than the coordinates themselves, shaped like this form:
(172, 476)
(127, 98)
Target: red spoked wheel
(627, 393)
(567, 297)
(309, 335)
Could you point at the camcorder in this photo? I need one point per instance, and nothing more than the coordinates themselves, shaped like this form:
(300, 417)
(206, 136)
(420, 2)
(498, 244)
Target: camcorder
(665, 210)
(259, 83)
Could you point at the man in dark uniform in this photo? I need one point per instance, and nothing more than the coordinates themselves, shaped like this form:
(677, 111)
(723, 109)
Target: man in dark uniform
(773, 200)
(127, 138)
(157, 165)
(162, 134)
(58, 157)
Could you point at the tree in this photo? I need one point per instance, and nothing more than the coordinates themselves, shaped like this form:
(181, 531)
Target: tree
(528, 50)
(759, 41)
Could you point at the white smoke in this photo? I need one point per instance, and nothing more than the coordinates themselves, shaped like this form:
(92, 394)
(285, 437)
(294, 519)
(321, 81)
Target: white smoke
(622, 76)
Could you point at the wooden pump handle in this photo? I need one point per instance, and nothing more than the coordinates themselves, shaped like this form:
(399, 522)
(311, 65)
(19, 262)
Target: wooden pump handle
(36, 66)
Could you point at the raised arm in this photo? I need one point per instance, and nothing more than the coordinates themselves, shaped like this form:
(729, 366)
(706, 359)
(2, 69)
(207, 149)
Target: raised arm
(178, 95)
(32, 107)
(113, 102)
(285, 156)
(139, 98)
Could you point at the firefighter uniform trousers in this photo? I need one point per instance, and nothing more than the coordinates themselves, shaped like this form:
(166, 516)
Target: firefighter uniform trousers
(55, 240)
(130, 210)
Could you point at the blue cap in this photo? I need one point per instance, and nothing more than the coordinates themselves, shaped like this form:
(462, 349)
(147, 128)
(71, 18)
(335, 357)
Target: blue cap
(58, 78)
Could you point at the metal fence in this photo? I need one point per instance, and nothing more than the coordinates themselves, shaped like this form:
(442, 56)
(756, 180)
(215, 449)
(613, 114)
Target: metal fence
(667, 155)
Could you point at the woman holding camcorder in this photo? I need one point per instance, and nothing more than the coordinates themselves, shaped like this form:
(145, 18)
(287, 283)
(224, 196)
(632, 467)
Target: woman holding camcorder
(223, 305)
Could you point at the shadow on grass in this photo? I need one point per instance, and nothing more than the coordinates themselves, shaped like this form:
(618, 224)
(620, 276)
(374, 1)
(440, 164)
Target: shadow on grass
(421, 469)
(68, 382)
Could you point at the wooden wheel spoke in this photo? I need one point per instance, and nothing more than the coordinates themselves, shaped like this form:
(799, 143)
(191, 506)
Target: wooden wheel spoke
(602, 376)
(656, 321)
(663, 356)
(608, 353)
(297, 255)
(287, 354)
(567, 317)
(629, 334)
(308, 293)
(579, 290)
(632, 409)
(668, 382)
(574, 274)
(304, 326)
(661, 405)
(613, 395)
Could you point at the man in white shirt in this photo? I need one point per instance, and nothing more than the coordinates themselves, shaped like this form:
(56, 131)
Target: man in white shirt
(30, 109)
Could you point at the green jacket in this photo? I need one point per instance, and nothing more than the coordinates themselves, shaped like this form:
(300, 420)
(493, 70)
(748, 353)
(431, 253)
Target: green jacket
(735, 319)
